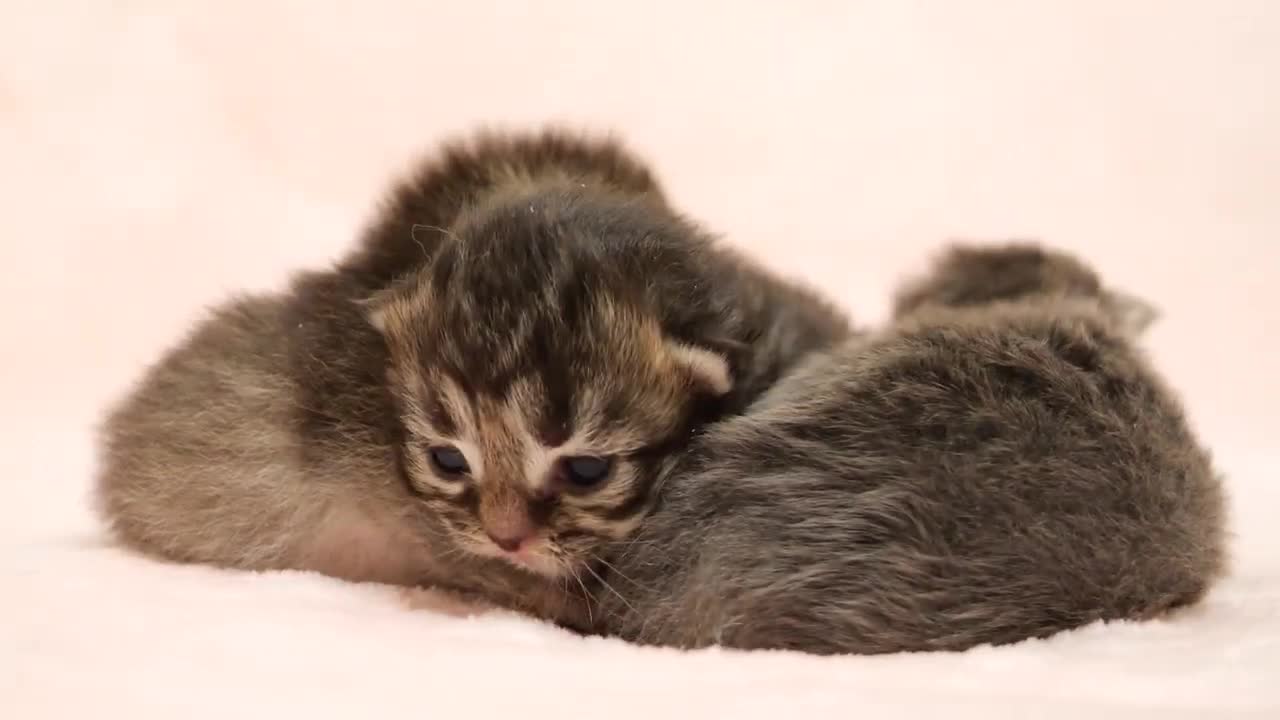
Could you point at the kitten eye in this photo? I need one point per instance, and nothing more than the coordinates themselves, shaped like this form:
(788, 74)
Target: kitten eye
(585, 471)
(449, 460)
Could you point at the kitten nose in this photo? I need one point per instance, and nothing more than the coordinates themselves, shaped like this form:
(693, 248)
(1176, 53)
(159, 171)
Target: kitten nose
(509, 543)
(509, 528)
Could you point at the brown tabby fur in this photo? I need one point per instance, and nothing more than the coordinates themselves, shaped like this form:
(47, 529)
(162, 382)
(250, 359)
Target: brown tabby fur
(523, 297)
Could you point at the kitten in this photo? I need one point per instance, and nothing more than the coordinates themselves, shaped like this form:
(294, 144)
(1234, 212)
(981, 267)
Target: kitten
(475, 398)
(967, 276)
(981, 472)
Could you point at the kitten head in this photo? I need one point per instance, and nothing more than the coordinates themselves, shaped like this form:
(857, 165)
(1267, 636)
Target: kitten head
(559, 345)
(971, 276)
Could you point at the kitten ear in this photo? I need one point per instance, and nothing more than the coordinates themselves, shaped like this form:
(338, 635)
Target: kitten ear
(381, 308)
(375, 310)
(391, 302)
(1132, 314)
(709, 369)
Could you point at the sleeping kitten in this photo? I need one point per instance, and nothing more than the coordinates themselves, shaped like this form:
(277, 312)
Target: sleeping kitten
(476, 398)
(982, 472)
(967, 276)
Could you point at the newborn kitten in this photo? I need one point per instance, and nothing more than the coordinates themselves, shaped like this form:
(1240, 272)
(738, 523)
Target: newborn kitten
(475, 398)
(966, 276)
(976, 474)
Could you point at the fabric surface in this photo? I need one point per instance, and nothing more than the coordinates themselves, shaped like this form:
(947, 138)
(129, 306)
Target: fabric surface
(157, 156)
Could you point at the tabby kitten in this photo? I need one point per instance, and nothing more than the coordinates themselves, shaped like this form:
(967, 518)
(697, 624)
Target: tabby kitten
(475, 398)
(1001, 464)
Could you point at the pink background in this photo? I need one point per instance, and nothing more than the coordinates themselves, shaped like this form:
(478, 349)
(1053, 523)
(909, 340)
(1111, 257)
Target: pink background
(158, 156)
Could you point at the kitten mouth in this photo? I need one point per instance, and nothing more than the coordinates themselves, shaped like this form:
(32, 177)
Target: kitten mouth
(536, 559)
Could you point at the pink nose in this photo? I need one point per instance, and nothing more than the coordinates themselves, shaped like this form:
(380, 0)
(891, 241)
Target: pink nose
(509, 543)
(504, 515)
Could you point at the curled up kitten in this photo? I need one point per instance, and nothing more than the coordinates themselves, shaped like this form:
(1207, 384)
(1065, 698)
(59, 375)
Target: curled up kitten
(980, 472)
(476, 398)
(973, 276)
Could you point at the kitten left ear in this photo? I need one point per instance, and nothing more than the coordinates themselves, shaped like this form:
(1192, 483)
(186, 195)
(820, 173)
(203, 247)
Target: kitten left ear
(379, 308)
(375, 311)
(709, 369)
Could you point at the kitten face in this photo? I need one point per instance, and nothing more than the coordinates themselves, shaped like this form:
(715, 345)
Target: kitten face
(542, 377)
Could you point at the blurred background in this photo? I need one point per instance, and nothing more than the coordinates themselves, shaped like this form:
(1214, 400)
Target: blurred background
(158, 156)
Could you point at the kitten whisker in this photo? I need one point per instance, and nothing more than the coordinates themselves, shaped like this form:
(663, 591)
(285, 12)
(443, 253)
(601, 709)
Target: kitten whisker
(609, 587)
(617, 572)
(573, 573)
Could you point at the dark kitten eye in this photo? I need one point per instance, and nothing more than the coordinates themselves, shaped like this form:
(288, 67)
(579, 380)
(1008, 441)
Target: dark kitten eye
(449, 460)
(586, 471)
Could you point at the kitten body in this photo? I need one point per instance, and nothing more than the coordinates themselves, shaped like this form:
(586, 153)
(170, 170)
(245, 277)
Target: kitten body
(980, 480)
(974, 474)
(975, 276)
(521, 299)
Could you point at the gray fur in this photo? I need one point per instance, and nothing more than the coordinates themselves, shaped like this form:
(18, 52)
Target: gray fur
(981, 472)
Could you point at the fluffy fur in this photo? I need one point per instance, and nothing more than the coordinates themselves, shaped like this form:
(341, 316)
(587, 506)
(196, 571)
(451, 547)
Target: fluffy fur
(982, 472)
(1000, 464)
(521, 299)
(972, 276)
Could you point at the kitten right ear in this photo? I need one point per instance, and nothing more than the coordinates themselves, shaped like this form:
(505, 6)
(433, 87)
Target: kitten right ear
(708, 369)
(1131, 313)
(393, 301)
